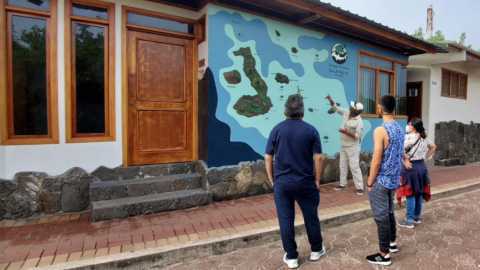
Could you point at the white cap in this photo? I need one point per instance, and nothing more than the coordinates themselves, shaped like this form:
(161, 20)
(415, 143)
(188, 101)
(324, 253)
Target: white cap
(356, 105)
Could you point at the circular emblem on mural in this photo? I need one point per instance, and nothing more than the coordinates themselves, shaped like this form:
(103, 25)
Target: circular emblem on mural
(339, 53)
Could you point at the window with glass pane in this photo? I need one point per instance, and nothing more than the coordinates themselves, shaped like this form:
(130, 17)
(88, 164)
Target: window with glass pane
(383, 83)
(89, 78)
(144, 20)
(367, 90)
(34, 4)
(375, 62)
(29, 76)
(401, 89)
(89, 11)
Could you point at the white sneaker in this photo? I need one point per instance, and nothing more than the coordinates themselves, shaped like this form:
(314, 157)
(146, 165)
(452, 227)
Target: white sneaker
(291, 263)
(393, 247)
(314, 256)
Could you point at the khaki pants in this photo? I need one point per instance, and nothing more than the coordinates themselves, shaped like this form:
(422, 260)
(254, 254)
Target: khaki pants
(350, 155)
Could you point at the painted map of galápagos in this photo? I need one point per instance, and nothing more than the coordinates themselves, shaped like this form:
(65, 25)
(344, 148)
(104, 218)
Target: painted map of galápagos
(257, 63)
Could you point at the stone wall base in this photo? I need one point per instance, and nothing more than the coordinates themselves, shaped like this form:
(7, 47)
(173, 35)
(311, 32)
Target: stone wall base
(250, 178)
(457, 143)
(36, 193)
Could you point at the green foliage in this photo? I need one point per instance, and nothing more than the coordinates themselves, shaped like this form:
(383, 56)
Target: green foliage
(437, 37)
(463, 36)
(440, 37)
(418, 33)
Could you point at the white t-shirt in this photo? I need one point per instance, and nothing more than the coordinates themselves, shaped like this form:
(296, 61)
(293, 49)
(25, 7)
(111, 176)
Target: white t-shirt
(420, 150)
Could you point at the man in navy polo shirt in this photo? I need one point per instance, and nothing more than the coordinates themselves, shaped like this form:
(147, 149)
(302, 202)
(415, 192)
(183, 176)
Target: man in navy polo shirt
(296, 147)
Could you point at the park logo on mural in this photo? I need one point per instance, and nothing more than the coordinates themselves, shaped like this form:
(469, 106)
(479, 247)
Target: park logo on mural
(339, 53)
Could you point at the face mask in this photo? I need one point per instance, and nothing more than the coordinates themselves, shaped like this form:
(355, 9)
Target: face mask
(407, 129)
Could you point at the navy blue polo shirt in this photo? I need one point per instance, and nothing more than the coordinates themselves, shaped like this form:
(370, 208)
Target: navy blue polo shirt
(293, 143)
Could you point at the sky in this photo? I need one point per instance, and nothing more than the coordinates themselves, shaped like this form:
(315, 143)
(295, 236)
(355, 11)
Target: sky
(450, 17)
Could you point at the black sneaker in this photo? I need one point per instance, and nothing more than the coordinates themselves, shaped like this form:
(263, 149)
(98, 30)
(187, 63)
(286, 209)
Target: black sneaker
(393, 248)
(379, 259)
(339, 187)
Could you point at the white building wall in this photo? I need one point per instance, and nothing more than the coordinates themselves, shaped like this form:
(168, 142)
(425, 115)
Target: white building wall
(436, 108)
(422, 74)
(55, 159)
(448, 109)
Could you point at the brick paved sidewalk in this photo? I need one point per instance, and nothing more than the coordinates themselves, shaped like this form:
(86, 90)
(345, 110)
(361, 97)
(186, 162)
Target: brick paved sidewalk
(57, 239)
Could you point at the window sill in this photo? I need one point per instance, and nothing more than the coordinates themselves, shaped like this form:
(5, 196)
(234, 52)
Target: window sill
(461, 98)
(376, 116)
(29, 141)
(90, 139)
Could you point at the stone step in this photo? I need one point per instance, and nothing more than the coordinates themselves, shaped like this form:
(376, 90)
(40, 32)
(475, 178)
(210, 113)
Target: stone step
(103, 173)
(111, 190)
(149, 204)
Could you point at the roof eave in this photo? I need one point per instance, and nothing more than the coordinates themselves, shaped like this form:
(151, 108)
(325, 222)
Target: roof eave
(368, 25)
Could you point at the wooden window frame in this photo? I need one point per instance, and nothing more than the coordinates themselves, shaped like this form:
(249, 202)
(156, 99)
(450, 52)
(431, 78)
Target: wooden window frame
(377, 75)
(6, 104)
(70, 105)
(160, 15)
(202, 29)
(458, 84)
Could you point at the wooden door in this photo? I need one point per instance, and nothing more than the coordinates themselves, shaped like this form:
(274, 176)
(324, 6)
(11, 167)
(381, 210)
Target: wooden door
(414, 100)
(161, 126)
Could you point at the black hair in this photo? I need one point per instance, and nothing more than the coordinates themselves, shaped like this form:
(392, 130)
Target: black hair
(387, 102)
(294, 107)
(417, 123)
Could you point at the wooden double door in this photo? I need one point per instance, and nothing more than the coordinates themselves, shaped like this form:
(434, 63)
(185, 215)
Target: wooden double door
(161, 108)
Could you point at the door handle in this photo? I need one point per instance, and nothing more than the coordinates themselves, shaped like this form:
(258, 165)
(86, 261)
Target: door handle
(131, 104)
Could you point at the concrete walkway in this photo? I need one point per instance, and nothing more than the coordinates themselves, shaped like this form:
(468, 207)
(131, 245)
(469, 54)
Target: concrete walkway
(72, 242)
(447, 238)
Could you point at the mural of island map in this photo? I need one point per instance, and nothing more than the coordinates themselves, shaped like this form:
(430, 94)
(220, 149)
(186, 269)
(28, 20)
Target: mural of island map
(257, 63)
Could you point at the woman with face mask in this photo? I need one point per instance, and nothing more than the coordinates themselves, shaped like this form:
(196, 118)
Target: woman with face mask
(415, 183)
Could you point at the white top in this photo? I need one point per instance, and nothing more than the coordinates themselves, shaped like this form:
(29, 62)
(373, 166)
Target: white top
(354, 125)
(420, 150)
